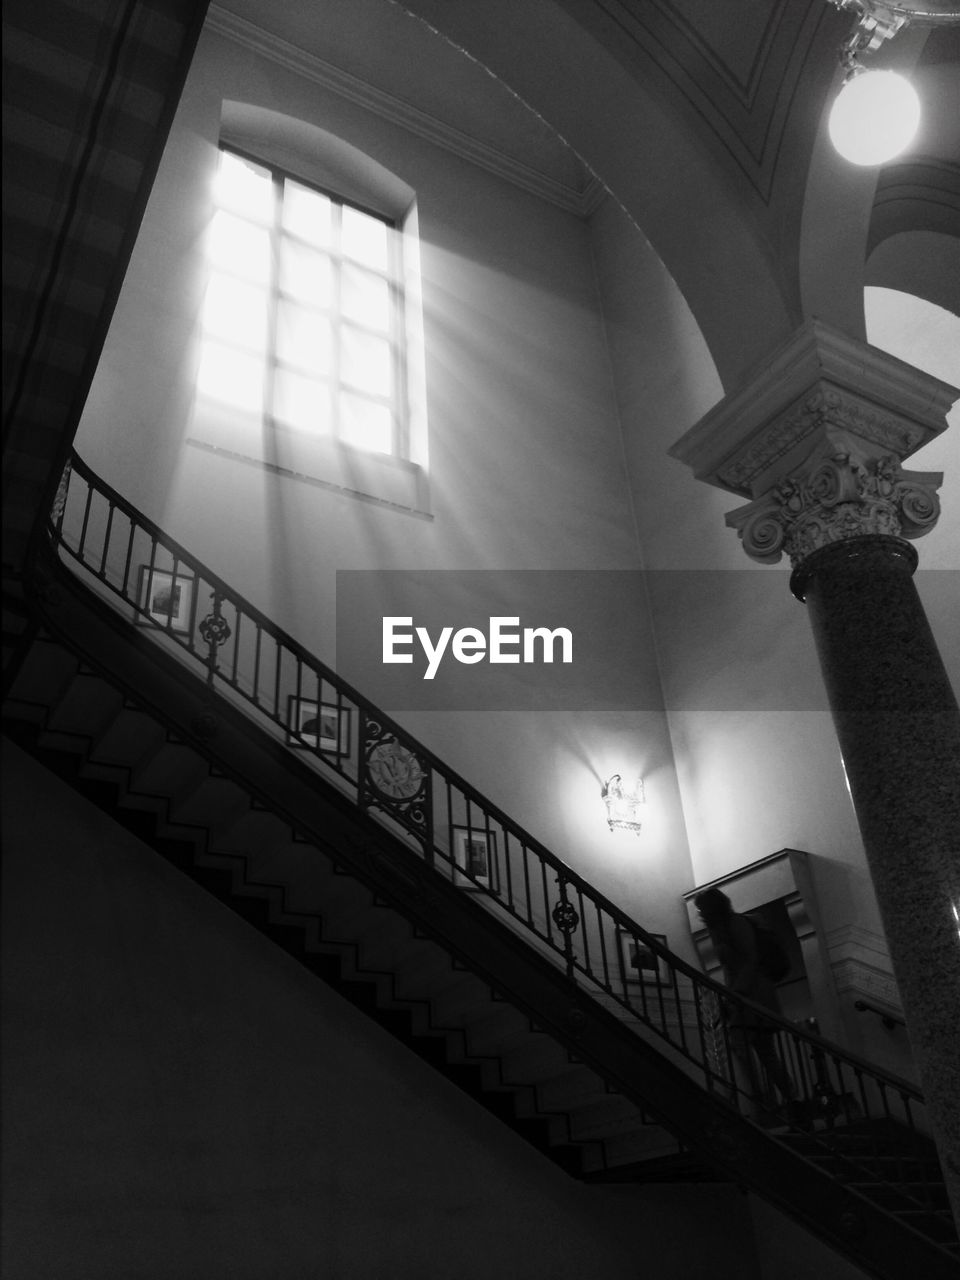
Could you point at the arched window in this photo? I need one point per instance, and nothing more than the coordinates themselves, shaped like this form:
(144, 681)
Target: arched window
(303, 311)
(310, 333)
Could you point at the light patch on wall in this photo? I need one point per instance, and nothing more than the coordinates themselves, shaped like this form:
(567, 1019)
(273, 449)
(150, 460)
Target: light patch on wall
(927, 337)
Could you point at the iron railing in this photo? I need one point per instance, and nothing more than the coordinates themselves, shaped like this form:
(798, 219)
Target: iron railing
(168, 594)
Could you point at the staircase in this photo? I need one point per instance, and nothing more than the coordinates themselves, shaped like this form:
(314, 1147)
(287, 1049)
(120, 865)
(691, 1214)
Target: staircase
(508, 976)
(227, 839)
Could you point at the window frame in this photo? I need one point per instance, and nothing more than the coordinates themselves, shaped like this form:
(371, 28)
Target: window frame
(395, 334)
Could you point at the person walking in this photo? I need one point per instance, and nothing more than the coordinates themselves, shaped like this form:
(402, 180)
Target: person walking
(752, 1037)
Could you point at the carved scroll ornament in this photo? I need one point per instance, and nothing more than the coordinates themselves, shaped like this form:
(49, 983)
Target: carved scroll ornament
(835, 495)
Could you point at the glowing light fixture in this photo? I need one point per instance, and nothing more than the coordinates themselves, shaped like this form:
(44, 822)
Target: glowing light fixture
(622, 804)
(874, 117)
(876, 113)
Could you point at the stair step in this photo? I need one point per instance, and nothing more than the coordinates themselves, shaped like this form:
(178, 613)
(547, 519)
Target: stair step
(172, 770)
(215, 802)
(607, 1117)
(575, 1086)
(278, 855)
(535, 1059)
(643, 1142)
(456, 997)
(251, 830)
(496, 1026)
(130, 737)
(45, 674)
(424, 969)
(85, 707)
(392, 944)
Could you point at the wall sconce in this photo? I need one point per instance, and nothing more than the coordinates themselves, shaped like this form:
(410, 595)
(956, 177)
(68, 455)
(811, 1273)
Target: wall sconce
(622, 804)
(876, 113)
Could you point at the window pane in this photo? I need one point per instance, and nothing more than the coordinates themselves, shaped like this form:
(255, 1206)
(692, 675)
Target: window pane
(240, 247)
(365, 298)
(245, 188)
(304, 338)
(306, 213)
(231, 376)
(236, 312)
(366, 362)
(301, 402)
(364, 238)
(305, 273)
(365, 424)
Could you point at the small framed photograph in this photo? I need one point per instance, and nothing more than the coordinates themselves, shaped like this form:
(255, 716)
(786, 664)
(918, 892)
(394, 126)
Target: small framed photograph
(166, 599)
(475, 853)
(321, 725)
(640, 962)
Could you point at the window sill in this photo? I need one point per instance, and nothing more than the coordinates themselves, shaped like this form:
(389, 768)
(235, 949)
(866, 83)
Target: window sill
(367, 477)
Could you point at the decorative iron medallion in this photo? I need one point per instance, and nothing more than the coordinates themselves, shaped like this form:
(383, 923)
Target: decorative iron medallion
(565, 917)
(214, 628)
(396, 779)
(395, 771)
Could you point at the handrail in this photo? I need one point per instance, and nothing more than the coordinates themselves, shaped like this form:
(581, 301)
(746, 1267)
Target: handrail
(449, 824)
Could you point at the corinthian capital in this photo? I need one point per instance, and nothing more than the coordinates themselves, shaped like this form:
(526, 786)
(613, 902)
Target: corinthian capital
(844, 489)
(816, 441)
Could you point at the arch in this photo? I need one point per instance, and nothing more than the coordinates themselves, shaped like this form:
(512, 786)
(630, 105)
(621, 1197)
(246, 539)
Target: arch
(317, 156)
(661, 172)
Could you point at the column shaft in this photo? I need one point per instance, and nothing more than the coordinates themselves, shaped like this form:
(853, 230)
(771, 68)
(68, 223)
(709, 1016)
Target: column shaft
(899, 729)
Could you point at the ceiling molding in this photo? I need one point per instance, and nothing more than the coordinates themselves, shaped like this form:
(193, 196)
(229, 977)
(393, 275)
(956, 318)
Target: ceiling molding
(580, 201)
(747, 114)
(919, 194)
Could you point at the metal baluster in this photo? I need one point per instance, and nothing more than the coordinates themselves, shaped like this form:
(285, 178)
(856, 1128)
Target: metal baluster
(60, 500)
(106, 541)
(526, 884)
(604, 962)
(215, 631)
(566, 919)
(236, 651)
(81, 549)
(128, 560)
(256, 664)
(583, 933)
(507, 868)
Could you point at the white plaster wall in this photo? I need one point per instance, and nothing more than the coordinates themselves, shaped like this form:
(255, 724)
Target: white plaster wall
(758, 764)
(526, 458)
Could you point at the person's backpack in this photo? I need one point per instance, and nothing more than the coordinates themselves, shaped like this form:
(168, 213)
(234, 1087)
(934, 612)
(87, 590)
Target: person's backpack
(772, 959)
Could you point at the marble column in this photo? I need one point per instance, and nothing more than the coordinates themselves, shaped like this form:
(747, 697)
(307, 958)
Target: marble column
(816, 442)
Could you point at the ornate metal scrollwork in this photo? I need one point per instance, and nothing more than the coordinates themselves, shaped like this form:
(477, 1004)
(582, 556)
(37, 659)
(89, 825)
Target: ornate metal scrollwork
(394, 778)
(214, 628)
(565, 917)
(60, 500)
(215, 631)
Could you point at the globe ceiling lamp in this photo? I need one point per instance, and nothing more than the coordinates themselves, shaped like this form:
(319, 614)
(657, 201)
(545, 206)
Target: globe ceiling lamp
(876, 113)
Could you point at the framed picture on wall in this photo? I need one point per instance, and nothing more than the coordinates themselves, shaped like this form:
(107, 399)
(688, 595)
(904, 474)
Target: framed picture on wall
(165, 599)
(640, 962)
(321, 725)
(475, 854)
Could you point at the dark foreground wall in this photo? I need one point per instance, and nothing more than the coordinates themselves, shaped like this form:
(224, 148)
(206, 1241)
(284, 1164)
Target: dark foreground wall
(182, 1100)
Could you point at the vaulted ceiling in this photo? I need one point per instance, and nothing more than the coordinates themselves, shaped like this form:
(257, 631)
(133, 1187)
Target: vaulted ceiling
(703, 119)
